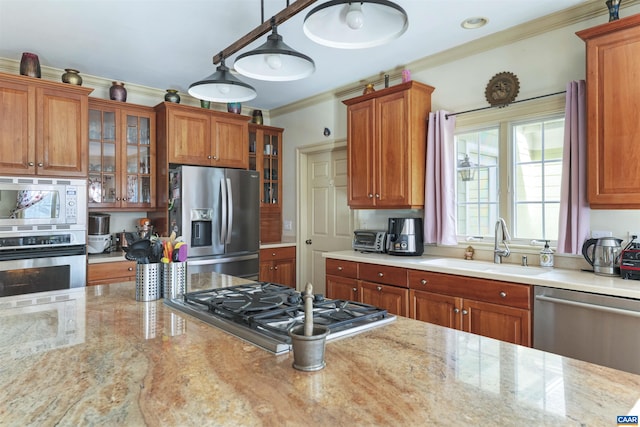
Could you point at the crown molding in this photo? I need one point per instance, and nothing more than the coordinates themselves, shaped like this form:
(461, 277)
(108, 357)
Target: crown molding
(573, 15)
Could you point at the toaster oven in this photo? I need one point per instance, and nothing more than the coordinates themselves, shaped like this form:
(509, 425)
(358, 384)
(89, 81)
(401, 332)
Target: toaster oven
(370, 241)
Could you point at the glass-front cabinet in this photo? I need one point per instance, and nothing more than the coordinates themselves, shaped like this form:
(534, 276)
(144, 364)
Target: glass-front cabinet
(265, 156)
(121, 155)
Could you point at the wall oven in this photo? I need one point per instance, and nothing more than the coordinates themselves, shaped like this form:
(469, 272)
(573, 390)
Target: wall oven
(43, 234)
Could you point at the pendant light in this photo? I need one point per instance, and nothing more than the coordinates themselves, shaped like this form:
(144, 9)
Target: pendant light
(274, 60)
(349, 24)
(222, 86)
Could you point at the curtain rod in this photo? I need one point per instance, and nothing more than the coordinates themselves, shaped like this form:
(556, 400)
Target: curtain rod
(446, 116)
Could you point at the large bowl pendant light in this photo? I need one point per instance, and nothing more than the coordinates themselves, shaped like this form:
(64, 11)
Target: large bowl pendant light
(274, 61)
(222, 86)
(355, 24)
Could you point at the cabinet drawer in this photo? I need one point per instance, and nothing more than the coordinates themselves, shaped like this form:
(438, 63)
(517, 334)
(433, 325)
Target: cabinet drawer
(493, 291)
(396, 276)
(268, 254)
(108, 272)
(342, 268)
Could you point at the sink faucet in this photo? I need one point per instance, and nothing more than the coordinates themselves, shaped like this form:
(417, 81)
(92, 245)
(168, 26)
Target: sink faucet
(504, 238)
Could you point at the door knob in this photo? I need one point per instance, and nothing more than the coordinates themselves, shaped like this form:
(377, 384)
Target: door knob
(308, 241)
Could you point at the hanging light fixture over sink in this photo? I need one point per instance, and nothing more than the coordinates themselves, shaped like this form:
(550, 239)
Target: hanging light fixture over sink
(349, 24)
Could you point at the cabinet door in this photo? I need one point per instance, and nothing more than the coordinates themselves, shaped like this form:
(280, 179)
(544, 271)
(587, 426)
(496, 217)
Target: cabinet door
(62, 139)
(104, 162)
(17, 144)
(613, 90)
(495, 321)
(342, 288)
(230, 147)
(285, 272)
(391, 151)
(393, 299)
(265, 273)
(189, 138)
(138, 159)
(438, 309)
(360, 135)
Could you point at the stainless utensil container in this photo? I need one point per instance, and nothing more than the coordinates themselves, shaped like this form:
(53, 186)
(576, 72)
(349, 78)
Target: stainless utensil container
(174, 279)
(148, 282)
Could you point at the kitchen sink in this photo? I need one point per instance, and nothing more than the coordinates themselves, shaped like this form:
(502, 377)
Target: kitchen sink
(484, 266)
(516, 270)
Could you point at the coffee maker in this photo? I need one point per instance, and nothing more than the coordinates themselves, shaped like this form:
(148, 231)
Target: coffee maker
(405, 237)
(99, 239)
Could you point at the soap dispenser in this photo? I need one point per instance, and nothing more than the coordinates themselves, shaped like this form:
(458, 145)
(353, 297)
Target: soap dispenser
(546, 255)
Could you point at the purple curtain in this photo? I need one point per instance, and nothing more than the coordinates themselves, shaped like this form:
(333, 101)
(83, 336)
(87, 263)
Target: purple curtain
(439, 188)
(574, 208)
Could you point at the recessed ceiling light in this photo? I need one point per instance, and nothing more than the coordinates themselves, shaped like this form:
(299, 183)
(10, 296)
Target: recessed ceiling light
(473, 23)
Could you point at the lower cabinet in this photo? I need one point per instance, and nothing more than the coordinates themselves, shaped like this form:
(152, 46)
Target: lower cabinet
(491, 308)
(111, 272)
(278, 265)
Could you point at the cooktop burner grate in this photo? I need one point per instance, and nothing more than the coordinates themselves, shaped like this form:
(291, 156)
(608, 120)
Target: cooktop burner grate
(264, 312)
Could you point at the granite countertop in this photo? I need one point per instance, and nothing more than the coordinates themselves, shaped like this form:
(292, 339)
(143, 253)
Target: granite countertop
(96, 356)
(553, 277)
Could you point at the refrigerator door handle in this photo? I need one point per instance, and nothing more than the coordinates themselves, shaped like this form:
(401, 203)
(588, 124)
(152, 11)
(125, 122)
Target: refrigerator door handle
(223, 220)
(230, 209)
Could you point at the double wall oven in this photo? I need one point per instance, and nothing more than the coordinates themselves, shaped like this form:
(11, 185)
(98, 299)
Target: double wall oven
(43, 234)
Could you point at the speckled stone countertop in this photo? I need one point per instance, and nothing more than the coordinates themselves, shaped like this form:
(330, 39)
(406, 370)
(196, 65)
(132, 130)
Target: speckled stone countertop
(96, 356)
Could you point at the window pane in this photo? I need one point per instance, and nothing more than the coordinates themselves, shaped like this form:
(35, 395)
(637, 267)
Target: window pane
(537, 178)
(477, 181)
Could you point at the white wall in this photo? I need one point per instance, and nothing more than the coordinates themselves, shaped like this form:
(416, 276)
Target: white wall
(543, 63)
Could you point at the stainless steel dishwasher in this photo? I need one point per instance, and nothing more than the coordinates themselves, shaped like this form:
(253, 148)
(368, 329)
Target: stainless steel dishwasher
(596, 328)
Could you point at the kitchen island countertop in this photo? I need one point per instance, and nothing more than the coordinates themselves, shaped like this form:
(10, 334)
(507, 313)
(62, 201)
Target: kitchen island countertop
(106, 359)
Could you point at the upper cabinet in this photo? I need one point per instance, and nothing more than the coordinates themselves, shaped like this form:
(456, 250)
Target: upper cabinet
(43, 127)
(122, 155)
(265, 156)
(202, 137)
(613, 102)
(386, 145)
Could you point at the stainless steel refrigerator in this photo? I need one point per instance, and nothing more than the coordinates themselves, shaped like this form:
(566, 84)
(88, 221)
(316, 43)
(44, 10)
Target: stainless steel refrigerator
(217, 212)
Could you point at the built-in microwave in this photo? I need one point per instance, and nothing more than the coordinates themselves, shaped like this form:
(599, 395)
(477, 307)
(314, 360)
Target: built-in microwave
(27, 202)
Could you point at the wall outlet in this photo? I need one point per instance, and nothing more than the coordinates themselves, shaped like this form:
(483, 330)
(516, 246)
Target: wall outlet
(287, 225)
(596, 234)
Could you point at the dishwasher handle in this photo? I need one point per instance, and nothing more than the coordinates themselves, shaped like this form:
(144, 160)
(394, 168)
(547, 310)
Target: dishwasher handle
(597, 307)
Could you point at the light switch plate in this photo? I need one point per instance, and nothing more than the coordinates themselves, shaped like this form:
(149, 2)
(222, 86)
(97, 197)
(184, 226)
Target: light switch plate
(287, 225)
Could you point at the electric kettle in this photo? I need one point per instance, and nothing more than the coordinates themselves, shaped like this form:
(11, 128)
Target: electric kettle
(605, 255)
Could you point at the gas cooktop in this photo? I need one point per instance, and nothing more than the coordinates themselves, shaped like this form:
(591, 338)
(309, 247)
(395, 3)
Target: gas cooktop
(263, 313)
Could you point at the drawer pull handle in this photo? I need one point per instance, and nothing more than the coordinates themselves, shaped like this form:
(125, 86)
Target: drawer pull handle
(339, 268)
(130, 268)
(355, 290)
(503, 294)
(423, 281)
(380, 274)
(273, 254)
(456, 310)
(379, 288)
(465, 312)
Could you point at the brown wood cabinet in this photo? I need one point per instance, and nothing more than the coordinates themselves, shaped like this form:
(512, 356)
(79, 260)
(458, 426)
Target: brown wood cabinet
(122, 155)
(613, 100)
(201, 137)
(111, 272)
(386, 145)
(43, 127)
(265, 156)
(278, 265)
(490, 308)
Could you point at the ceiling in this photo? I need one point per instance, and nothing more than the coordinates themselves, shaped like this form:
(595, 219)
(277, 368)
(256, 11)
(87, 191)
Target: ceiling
(170, 43)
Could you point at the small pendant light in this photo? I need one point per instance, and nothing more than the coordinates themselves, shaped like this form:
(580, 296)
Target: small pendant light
(274, 61)
(349, 24)
(222, 86)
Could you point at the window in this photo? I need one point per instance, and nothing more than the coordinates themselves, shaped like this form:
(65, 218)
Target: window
(509, 165)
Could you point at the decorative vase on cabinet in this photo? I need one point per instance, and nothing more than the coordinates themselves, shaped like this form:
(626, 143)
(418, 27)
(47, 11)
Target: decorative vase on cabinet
(30, 65)
(117, 92)
(172, 96)
(72, 76)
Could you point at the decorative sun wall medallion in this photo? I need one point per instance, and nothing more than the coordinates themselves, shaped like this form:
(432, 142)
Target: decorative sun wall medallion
(502, 89)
